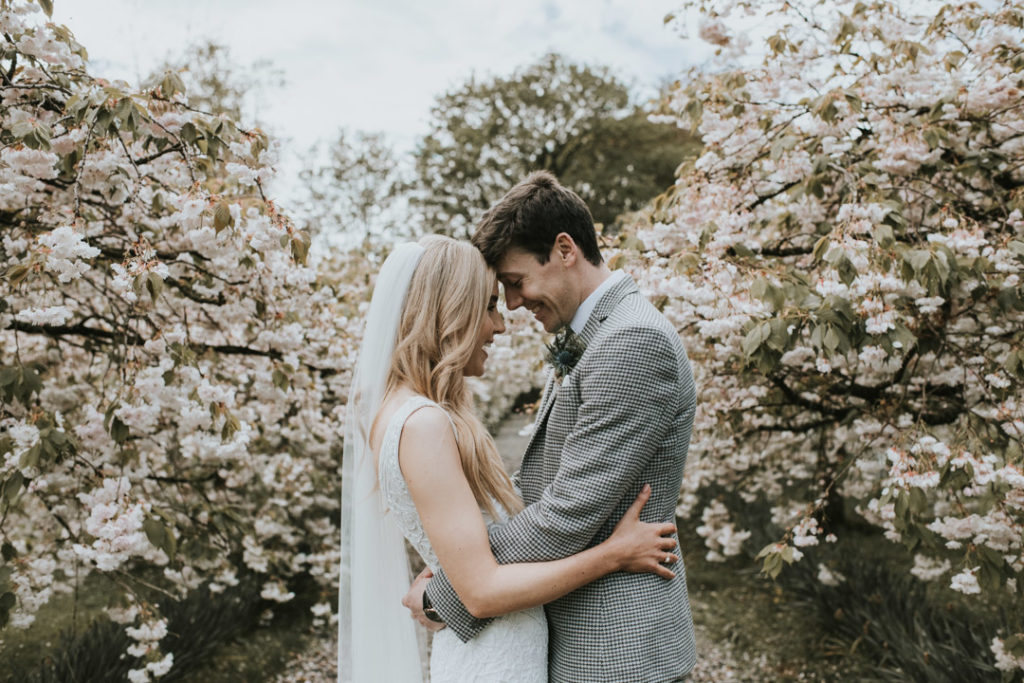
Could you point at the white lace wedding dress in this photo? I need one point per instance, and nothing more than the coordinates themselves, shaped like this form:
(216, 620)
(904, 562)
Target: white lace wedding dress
(513, 648)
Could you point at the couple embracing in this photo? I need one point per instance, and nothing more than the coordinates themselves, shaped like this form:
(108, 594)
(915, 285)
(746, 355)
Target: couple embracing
(570, 570)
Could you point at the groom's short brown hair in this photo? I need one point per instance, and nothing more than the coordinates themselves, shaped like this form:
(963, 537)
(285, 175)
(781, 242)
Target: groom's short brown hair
(531, 215)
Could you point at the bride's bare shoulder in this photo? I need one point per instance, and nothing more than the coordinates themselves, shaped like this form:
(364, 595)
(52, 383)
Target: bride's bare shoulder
(429, 423)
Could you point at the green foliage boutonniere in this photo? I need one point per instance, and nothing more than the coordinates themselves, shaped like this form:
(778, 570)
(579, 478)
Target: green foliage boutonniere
(565, 351)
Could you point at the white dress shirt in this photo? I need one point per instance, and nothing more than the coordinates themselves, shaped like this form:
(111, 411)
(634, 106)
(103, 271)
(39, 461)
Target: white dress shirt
(579, 321)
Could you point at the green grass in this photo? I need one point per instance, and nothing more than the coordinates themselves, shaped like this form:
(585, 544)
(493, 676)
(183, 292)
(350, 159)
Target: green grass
(215, 638)
(778, 634)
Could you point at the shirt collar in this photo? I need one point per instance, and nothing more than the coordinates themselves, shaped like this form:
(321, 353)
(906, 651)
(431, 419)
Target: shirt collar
(579, 321)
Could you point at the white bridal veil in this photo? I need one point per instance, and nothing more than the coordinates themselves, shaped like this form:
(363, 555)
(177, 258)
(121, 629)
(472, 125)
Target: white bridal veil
(377, 641)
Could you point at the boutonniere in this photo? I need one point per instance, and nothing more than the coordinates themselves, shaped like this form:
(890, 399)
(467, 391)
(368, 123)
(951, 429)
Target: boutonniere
(565, 351)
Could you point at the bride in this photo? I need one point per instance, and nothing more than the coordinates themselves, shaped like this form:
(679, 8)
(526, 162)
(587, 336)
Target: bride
(419, 465)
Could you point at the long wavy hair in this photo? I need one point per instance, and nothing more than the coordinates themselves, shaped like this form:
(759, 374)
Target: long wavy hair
(444, 309)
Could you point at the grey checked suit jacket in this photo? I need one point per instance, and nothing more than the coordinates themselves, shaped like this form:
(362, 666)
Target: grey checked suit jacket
(620, 419)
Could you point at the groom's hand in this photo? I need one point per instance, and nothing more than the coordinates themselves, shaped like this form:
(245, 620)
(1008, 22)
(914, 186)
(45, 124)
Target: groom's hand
(413, 600)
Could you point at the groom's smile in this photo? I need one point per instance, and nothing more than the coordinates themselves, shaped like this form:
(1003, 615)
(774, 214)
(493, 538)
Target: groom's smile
(544, 289)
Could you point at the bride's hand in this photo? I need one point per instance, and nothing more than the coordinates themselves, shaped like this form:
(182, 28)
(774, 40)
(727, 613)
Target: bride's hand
(640, 546)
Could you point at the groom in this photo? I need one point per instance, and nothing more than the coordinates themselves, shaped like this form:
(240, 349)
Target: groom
(619, 418)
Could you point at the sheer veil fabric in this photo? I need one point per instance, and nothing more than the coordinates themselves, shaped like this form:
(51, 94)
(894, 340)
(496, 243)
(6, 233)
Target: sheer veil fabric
(377, 641)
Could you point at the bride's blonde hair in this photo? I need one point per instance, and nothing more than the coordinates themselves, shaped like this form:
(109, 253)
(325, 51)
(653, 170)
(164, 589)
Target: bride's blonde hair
(444, 309)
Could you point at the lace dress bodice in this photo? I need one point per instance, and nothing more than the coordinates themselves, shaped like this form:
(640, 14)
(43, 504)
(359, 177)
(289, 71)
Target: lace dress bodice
(513, 648)
(393, 488)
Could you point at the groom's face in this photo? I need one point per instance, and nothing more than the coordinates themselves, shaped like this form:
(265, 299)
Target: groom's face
(542, 288)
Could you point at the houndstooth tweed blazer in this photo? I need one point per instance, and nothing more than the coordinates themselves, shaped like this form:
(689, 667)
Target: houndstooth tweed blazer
(621, 418)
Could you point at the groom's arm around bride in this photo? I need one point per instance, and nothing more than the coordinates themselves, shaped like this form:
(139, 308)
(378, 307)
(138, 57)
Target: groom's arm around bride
(619, 419)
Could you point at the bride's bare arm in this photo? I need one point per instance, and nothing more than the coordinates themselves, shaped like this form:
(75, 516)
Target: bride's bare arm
(451, 517)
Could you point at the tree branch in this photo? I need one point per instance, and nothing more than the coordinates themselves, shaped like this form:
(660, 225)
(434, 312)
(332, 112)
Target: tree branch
(132, 339)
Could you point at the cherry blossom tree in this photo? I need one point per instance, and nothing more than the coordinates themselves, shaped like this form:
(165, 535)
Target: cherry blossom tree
(174, 361)
(173, 368)
(844, 262)
(577, 121)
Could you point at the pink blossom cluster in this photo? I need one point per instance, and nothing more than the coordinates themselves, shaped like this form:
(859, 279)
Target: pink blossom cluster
(843, 261)
(176, 360)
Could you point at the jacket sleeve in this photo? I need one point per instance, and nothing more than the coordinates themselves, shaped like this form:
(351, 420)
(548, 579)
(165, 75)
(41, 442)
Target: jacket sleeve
(629, 394)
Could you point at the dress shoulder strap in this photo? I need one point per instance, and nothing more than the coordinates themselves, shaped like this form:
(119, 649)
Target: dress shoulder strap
(414, 403)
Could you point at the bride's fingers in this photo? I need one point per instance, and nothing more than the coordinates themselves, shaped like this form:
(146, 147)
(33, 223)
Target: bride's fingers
(666, 529)
(638, 504)
(667, 543)
(663, 571)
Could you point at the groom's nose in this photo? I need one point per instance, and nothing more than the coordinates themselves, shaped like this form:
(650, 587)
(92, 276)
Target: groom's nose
(512, 299)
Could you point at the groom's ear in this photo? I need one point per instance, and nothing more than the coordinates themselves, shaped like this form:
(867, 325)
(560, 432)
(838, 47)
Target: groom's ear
(565, 249)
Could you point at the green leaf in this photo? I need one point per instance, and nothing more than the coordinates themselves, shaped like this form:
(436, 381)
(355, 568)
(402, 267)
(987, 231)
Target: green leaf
(1013, 362)
(847, 271)
(918, 259)
(1009, 299)
(222, 217)
(7, 602)
(31, 382)
(30, 458)
(138, 284)
(47, 6)
(884, 236)
(119, 430)
(12, 487)
(989, 578)
(742, 250)
(231, 425)
(9, 375)
(108, 415)
(955, 479)
(1015, 645)
(902, 506)
(189, 133)
(783, 145)
(154, 284)
(300, 248)
(772, 565)
(831, 338)
(755, 337)
(8, 552)
(633, 243)
(779, 337)
(157, 534)
(18, 273)
(918, 501)
(758, 289)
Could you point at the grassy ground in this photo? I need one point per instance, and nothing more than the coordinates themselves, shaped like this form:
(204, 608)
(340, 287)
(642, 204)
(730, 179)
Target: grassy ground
(244, 647)
(64, 614)
(749, 629)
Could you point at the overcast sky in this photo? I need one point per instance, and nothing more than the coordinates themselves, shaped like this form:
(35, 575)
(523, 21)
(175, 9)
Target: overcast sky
(378, 64)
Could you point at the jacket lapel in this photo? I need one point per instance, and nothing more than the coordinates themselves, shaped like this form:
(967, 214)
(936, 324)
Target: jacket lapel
(542, 413)
(602, 310)
(605, 305)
